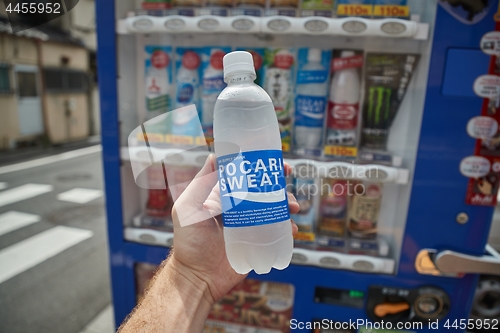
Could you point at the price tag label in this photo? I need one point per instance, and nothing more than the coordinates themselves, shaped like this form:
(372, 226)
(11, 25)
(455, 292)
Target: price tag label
(341, 151)
(179, 139)
(354, 10)
(304, 236)
(391, 11)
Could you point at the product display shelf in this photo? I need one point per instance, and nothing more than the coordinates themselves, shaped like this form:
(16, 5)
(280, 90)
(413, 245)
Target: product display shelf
(149, 236)
(243, 24)
(302, 167)
(318, 169)
(301, 256)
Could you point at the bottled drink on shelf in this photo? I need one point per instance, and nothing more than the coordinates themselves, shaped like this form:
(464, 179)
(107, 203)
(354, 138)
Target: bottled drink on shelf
(258, 61)
(343, 104)
(304, 190)
(333, 207)
(283, 3)
(213, 84)
(257, 228)
(310, 101)
(216, 7)
(158, 80)
(283, 7)
(250, 3)
(153, 4)
(159, 203)
(364, 210)
(278, 79)
(185, 117)
(317, 4)
(317, 8)
(387, 77)
(188, 78)
(186, 7)
(278, 69)
(218, 3)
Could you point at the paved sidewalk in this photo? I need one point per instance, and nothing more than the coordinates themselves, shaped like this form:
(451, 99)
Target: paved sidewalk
(102, 323)
(25, 154)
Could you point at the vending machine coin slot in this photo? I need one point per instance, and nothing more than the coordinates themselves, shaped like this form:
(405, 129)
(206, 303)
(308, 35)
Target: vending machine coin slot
(397, 304)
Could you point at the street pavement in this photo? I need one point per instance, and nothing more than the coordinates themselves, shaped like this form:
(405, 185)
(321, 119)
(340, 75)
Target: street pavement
(54, 274)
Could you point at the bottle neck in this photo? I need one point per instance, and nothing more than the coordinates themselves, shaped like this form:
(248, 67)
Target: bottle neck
(240, 78)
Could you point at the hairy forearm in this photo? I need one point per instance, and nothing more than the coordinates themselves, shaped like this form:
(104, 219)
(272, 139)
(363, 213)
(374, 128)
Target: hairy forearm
(176, 302)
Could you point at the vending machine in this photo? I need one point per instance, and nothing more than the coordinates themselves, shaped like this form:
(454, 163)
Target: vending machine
(388, 113)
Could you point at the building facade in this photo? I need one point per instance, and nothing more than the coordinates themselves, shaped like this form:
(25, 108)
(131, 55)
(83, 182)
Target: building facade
(48, 92)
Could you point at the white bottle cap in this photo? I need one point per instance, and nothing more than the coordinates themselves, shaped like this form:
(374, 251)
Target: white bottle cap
(347, 54)
(314, 55)
(238, 62)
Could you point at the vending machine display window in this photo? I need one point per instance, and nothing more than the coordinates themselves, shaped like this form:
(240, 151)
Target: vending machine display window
(353, 162)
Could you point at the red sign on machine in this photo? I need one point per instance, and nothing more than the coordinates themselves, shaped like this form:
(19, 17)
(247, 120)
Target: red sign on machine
(483, 169)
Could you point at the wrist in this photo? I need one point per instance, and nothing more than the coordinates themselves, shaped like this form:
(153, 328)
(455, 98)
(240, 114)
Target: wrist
(188, 282)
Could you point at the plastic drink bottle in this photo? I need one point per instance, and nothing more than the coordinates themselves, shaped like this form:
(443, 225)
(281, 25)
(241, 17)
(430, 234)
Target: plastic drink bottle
(213, 84)
(310, 103)
(343, 106)
(257, 228)
(278, 82)
(156, 82)
(158, 85)
(188, 82)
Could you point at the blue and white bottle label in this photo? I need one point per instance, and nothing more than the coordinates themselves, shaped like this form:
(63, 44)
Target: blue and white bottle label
(213, 85)
(317, 76)
(310, 111)
(185, 93)
(253, 188)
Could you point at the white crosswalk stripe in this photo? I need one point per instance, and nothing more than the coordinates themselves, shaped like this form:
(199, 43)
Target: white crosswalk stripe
(23, 192)
(32, 251)
(13, 220)
(80, 195)
(3, 186)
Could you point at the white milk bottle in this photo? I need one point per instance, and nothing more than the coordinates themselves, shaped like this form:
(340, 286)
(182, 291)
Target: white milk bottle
(257, 228)
(310, 103)
(343, 105)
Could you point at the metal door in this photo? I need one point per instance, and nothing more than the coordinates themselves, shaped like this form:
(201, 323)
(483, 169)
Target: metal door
(28, 101)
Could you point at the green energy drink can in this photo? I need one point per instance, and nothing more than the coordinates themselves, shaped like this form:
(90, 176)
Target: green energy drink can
(377, 117)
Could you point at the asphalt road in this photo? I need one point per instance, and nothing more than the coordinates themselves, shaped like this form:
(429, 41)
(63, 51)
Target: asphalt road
(54, 274)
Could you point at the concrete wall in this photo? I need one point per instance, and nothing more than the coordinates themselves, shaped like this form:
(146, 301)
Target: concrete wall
(17, 50)
(75, 125)
(53, 52)
(64, 126)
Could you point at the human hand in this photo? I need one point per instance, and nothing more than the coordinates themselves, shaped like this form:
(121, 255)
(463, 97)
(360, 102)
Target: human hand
(199, 252)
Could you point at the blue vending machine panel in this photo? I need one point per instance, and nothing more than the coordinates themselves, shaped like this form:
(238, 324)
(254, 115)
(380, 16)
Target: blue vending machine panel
(423, 204)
